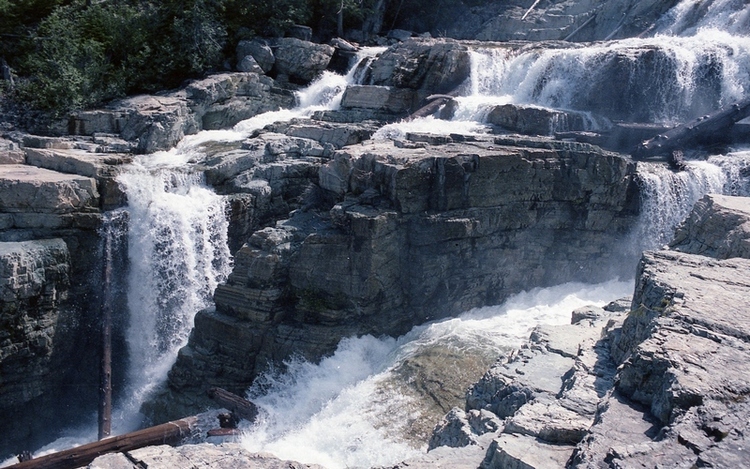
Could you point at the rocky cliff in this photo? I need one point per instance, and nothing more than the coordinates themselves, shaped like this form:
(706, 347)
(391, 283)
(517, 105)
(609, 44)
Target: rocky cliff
(338, 233)
(660, 384)
(656, 380)
(419, 229)
(54, 192)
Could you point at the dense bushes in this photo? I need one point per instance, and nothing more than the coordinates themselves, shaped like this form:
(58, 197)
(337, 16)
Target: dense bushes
(74, 54)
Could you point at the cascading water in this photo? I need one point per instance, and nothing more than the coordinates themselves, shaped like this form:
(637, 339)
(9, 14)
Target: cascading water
(178, 244)
(667, 196)
(178, 255)
(356, 408)
(658, 79)
(353, 409)
(178, 251)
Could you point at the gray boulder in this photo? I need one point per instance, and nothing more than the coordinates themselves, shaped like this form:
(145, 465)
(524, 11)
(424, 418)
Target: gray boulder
(387, 99)
(427, 65)
(718, 227)
(249, 64)
(300, 61)
(27, 189)
(258, 50)
(10, 152)
(534, 120)
(511, 451)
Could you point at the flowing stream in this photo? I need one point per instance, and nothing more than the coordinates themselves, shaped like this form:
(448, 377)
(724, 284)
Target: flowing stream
(355, 408)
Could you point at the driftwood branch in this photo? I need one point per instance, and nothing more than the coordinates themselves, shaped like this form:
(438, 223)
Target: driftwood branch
(530, 9)
(708, 129)
(168, 433)
(239, 406)
(434, 101)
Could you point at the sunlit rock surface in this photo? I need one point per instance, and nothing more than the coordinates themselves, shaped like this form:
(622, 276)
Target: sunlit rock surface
(718, 226)
(206, 455)
(159, 122)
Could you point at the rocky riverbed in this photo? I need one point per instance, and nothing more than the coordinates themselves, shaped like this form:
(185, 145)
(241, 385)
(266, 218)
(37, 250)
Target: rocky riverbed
(656, 380)
(413, 226)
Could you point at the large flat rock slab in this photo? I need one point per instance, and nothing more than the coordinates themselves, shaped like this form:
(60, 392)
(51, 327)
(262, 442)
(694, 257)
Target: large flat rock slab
(37, 190)
(73, 161)
(206, 455)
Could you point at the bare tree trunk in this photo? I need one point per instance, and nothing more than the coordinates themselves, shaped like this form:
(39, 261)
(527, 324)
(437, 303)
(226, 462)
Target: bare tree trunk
(374, 22)
(340, 20)
(239, 406)
(707, 129)
(105, 373)
(167, 433)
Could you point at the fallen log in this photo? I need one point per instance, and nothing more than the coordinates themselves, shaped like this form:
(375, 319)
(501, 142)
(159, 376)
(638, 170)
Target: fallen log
(169, 433)
(237, 405)
(434, 102)
(704, 130)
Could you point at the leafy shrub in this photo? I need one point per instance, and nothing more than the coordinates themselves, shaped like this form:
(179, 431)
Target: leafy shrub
(75, 54)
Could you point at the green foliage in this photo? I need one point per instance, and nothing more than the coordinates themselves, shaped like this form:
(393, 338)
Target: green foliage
(74, 54)
(78, 55)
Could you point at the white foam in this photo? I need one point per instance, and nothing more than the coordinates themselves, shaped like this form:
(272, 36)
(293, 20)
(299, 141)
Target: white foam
(346, 412)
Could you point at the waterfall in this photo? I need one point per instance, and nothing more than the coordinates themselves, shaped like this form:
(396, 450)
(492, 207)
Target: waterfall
(691, 16)
(667, 197)
(683, 77)
(178, 254)
(354, 409)
(177, 241)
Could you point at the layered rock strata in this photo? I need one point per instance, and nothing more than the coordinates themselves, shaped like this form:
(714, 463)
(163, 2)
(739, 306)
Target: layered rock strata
(663, 386)
(423, 228)
(37, 336)
(154, 123)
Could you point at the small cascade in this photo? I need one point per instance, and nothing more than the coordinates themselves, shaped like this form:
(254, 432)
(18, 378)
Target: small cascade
(667, 197)
(659, 79)
(691, 16)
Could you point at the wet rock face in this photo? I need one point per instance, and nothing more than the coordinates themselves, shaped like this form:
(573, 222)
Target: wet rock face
(36, 336)
(420, 232)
